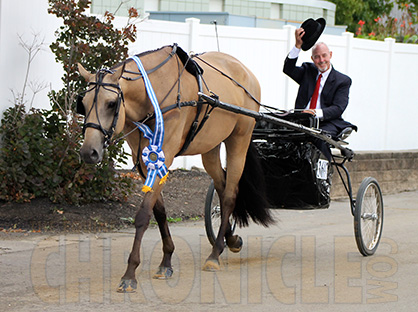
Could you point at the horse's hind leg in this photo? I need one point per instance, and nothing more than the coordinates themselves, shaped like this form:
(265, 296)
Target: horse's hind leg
(212, 163)
(236, 152)
(164, 270)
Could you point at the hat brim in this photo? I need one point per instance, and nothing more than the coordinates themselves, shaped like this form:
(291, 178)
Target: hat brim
(311, 40)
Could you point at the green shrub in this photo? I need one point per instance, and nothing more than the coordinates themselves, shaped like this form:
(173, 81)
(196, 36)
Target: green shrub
(39, 158)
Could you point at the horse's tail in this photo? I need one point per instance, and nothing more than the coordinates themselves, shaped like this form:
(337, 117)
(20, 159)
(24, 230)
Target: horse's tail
(251, 199)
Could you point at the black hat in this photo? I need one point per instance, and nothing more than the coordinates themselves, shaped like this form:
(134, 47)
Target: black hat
(313, 29)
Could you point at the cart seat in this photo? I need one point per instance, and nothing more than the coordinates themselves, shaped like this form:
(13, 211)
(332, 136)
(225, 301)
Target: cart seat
(344, 134)
(340, 138)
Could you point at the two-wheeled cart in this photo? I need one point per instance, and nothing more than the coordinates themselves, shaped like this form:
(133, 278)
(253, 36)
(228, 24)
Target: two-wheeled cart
(298, 176)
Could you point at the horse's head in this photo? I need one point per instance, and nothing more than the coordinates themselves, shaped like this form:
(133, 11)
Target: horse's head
(102, 104)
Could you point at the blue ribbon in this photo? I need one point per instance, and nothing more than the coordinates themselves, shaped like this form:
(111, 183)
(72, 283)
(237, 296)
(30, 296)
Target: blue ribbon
(152, 155)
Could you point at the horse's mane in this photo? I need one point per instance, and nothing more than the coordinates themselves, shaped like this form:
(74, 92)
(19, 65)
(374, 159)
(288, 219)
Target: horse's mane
(191, 66)
(139, 55)
(152, 51)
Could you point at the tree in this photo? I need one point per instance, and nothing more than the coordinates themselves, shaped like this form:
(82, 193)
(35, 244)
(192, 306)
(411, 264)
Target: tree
(350, 12)
(88, 40)
(39, 154)
(378, 19)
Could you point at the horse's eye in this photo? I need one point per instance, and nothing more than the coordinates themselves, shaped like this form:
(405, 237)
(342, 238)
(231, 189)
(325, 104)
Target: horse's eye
(112, 104)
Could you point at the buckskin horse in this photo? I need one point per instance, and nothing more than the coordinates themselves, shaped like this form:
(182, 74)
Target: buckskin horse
(119, 99)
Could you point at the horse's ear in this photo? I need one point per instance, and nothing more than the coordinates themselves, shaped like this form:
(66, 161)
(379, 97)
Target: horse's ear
(118, 72)
(83, 72)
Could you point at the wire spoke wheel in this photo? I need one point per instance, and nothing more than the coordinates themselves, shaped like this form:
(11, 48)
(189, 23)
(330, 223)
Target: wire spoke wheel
(213, 215)
(368, 216)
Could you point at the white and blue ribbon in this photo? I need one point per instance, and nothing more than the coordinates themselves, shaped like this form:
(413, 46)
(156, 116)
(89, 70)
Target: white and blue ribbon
(152, 155)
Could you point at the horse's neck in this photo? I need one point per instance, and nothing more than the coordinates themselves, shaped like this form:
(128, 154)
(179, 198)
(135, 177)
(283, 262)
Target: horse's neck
(164, 82)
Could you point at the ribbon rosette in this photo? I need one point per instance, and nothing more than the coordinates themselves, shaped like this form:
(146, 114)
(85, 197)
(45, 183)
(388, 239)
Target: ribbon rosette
(152, 155)
(154, 158)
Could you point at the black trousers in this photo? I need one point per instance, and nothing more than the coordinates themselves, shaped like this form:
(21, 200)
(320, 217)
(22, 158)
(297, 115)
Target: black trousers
(324, 147)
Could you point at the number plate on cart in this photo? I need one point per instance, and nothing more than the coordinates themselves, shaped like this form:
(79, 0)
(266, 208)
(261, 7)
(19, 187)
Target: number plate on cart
(322, 170)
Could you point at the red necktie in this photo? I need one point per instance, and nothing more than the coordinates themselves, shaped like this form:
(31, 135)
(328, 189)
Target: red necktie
(314, 98)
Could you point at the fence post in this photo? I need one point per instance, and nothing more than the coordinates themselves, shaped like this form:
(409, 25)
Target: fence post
(348, 48)
(390, 44)
(290, 29)
(193, 33)
(192, 46)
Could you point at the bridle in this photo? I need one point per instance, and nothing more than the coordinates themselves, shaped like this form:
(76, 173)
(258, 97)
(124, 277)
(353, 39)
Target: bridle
(96, 87)
(100, 84)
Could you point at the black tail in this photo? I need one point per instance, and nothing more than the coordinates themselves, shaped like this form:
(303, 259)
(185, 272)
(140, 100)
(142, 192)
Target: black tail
(251, 198)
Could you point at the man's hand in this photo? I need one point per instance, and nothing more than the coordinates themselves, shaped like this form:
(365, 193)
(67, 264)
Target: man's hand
(298, 36)
(309, 111)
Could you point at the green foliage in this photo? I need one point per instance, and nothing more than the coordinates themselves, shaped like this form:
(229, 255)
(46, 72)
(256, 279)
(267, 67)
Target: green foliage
(87, 40)
(174, 220)
(403, 28)
(39, 154)
(375, 19)
(39, 159)
(346, 10)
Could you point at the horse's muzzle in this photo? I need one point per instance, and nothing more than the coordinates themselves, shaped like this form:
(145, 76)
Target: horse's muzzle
(91, 155)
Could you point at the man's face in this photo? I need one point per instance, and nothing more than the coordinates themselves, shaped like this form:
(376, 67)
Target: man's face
(321, 57)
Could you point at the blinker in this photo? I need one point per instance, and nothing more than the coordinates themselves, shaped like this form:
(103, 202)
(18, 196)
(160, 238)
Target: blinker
(80, 107)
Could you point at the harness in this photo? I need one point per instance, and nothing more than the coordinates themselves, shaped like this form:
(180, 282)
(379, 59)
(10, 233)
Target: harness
(153, 156)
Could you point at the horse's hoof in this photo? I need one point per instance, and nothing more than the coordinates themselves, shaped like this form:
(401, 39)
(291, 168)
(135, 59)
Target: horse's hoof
(237, 245)
(211, 266)
(127, 286)
(163, 273)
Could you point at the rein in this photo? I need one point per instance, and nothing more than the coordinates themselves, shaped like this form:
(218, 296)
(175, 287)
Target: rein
(237, 83)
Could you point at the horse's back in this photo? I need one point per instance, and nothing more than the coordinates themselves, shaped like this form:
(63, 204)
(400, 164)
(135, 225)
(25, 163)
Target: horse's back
(223, 86)
(226, 77)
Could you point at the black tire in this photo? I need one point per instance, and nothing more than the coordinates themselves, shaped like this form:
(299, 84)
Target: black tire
(213, 215)
(368, 216)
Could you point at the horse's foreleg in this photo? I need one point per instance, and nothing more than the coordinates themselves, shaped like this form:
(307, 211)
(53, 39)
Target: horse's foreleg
(128, 282)
(164, 270)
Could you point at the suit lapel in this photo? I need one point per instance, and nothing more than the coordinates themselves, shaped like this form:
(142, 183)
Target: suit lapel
(329, 84)
(312, 82)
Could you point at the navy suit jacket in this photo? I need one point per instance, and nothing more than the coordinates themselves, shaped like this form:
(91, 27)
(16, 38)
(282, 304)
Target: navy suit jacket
(334, 95)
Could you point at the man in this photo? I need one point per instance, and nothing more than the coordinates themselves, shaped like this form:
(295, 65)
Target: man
(331, 98)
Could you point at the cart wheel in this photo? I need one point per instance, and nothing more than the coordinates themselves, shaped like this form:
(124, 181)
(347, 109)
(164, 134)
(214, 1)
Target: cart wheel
(368, 216)
(213, 215)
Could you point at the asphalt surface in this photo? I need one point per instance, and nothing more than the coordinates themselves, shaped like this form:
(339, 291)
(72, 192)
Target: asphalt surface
(308, 261)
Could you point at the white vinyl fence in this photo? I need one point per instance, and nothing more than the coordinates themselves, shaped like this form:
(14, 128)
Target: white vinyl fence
(383, 96)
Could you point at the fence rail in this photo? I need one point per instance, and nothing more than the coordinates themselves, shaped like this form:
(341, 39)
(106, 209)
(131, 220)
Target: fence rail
(383, 96)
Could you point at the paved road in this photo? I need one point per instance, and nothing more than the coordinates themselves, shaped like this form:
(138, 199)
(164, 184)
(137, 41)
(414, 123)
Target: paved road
(307, 262)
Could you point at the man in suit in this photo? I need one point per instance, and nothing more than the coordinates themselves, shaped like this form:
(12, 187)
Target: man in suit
(333, 87)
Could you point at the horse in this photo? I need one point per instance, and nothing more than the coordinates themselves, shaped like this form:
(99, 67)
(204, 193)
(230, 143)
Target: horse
(116, 101)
